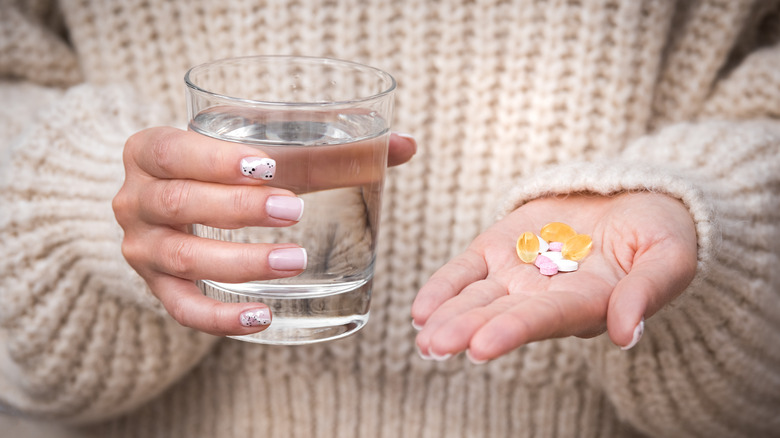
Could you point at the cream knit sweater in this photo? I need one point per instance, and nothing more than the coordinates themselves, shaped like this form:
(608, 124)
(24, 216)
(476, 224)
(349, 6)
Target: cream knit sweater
(508, 100)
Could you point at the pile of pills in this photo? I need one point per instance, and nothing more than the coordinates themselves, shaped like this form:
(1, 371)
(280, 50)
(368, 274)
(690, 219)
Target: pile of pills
(557, 248)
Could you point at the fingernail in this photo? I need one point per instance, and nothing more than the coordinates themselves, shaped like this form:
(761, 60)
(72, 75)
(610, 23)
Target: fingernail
(287, 259)
(416, 326)
(408, 137)
(440, 358)
(472, 360)
(258, 168)
(423, 355)
(639, 330)
(288, 208)
(255, 317)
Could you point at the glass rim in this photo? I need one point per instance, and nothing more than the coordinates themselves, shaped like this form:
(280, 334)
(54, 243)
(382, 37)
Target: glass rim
(325, 60)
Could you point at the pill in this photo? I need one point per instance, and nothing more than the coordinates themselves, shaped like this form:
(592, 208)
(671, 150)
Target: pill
(565, 265)
(543, 245)
(527, 247)
(540, 260)
(557, 232)
(555, 246)
(553, 255)
(577, 247)
(548, 269)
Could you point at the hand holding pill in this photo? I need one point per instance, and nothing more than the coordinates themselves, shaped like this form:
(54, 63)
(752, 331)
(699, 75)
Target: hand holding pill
(488, 300)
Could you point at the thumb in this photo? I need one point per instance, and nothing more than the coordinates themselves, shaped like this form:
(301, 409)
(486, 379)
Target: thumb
(401, 149)
(655, 279)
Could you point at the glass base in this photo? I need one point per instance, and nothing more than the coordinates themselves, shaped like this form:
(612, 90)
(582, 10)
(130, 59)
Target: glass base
(293, 333)
(301, 314)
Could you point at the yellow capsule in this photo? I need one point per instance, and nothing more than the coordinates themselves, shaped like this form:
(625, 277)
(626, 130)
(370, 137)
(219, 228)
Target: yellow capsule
(577, 247)
(557, 232)
(528, 247)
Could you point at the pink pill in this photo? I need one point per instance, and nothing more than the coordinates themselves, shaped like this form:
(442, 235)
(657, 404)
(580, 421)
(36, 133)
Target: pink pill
(555, 246)
(548, 269)
(540, 260)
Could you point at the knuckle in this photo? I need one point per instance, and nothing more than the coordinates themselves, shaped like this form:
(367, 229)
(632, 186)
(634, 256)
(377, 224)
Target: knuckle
(131, 145)
(132, 252)
(136, 145)
(177, 308)
(120, 205)
(174, 197)
(163, 149)
(125, 207)
(181, 258)
(245, 263)
(209, 321)
(220, 159)
(213, 324)
(244, 200)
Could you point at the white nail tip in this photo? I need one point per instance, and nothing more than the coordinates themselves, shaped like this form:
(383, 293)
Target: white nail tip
(423, 355)
(416, 326)
(440, 358)
(639, 330)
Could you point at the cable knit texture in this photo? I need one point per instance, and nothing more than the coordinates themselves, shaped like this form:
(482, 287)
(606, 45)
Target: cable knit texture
(509, 101)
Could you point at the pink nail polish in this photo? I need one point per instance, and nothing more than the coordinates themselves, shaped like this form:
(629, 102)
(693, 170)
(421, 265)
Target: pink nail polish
(255, 317)
(288, 208)
(258, 168)
(288, 259)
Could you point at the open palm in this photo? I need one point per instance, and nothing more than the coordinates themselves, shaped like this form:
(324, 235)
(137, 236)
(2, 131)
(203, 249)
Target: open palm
(488, 302)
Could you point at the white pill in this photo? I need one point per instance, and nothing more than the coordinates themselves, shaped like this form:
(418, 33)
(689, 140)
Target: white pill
(565, 265)
(543, 245)
(553, 255)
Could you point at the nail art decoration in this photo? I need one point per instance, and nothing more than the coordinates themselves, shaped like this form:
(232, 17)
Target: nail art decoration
(258, 168)
(255, 317)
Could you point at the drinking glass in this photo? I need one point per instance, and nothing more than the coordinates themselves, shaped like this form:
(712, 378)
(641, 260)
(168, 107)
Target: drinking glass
(326, 124)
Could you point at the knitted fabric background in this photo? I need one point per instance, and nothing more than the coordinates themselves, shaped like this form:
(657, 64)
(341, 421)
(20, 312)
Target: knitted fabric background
(508, 101)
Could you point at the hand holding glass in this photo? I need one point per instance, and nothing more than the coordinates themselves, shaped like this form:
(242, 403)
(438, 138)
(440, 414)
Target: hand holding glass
(325, 124)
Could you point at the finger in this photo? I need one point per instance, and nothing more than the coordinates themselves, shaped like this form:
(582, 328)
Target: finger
(447, 282)
(402, 148)
(451, 327)
(189, 307)
(171, 153)
(542, 316)
(437, 336)
(177, 201)
(196, 258)
(656, 278)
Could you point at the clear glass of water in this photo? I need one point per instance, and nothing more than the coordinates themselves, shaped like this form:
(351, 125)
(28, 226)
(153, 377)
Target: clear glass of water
(326, 123)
